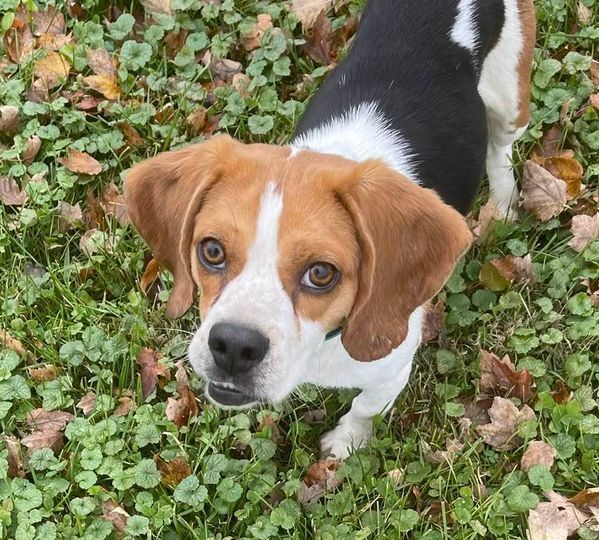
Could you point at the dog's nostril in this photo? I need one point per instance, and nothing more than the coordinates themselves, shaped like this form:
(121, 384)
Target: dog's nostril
(218, 346)
(248, 354)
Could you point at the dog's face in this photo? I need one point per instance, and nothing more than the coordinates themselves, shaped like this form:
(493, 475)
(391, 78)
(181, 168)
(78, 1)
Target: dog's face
(285, 248)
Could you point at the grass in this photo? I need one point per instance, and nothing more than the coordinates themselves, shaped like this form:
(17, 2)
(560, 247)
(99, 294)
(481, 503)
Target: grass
(82, 319)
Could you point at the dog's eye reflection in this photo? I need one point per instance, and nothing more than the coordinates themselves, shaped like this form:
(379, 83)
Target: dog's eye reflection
(320, 276)
(211, 254)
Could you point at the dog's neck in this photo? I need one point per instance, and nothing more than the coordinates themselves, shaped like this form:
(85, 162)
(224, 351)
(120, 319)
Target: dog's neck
(362, 133)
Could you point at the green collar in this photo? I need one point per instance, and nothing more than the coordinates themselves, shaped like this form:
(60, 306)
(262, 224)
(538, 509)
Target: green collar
(333, 333)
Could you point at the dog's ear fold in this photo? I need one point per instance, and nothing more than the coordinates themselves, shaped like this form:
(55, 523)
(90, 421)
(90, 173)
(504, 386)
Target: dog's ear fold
(410, 242)
(163, 196)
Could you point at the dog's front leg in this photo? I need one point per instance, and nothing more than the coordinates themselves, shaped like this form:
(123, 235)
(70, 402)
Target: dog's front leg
(354, 429)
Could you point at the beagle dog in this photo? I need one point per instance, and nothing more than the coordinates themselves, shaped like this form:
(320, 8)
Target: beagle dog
(314, 260)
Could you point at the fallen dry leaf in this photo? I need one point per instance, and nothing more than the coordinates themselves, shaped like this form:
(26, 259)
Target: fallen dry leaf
(314, 416)
(594, 72)
(43, 439)
(93, 216)
(9, 342)
(9, 119)
(562, 393)
(174, 471)
(498, 375)
(568, 170)
(592, 290)
(240, 83)
(114, 204)
(502, 432)
(48, 21)
(584, 229)
(182, 409)
(42, 420)
(18, 40)
(594, 101)
(150, 275)
(452, 447)
(587, 498)
(32, 147)
(321, 477)
(15, 464)
(87, 403)
(252, 39)
(126, 404)
(131, 135)
(196, 120)
(101, 62)
(10, 192)
(319, 40)
(537, 453)
(307, 11)
(157, 6)
(397, 476)
(542, 194)
(551, 143)
(81, 162)
(51, 70)
(151, 370)
(69, 216)
(46, 372)
(106, 85)
(113, 513)
(268, 422)
(584, 14)
(487, 215)
(499, 273)
(54, 42)
(222, 69)
(554, 520)
(434, 319)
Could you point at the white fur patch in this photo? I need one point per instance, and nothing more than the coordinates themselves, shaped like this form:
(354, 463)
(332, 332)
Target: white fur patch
(360, 134)
(464, 31)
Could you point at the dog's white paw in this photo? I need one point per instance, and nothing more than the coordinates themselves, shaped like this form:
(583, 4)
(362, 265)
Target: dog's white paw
(340, 442)
(507, 207)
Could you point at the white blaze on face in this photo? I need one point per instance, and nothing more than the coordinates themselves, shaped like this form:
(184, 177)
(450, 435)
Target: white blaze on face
(256, 298)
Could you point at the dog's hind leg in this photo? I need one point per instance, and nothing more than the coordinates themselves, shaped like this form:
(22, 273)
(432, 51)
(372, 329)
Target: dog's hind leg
(505, 89)
(354, 428)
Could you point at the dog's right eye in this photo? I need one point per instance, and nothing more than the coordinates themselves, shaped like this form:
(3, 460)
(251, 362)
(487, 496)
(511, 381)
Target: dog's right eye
(211, 254)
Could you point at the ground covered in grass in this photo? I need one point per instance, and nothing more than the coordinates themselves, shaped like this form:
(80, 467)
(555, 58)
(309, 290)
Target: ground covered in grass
(104, 434)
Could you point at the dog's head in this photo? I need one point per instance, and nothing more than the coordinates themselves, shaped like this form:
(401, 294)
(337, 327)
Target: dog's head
(285, 247)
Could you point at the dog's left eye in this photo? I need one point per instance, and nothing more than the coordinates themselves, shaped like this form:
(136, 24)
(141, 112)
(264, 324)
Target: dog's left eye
(320, 276)
(212, 254)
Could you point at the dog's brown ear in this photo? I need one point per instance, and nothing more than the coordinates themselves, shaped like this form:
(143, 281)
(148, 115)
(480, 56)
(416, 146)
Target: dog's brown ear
(163, 195)
(410, 242)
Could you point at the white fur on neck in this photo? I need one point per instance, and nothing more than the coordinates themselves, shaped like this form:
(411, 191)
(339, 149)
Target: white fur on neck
(360, 134)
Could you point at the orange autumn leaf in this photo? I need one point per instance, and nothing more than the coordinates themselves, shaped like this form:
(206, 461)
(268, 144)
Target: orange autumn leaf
(151, 370)
(568, 170)
(172, 472)
(106, 85)
(51, 70)
(81, 162)
(150, 275)
(499, 376)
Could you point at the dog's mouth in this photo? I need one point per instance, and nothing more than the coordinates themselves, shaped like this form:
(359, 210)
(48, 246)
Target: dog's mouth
(228, 394)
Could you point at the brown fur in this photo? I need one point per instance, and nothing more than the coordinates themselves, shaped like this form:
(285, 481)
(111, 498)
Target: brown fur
(394, 242)
(528, 25)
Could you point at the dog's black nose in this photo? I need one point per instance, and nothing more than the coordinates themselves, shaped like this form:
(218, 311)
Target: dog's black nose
(236, 348)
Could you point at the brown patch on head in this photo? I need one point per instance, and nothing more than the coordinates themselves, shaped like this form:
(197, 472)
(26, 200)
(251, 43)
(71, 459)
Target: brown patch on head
(528, 26)
(166, 193)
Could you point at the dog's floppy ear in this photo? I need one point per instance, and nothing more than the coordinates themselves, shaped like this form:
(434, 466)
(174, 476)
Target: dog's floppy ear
(163, 196)
(410, 242)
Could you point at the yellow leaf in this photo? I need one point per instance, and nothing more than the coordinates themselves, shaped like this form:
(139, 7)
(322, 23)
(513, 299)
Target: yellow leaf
(106, 85)
(51, 70)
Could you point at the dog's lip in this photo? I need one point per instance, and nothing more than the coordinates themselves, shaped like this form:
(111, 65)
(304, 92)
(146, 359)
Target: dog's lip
(228, 394)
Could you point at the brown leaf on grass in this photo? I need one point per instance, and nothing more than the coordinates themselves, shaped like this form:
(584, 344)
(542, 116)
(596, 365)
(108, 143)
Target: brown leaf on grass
(592, 290)
(182, 409)
(594, 101)
(196, 121)
(253, 38)
(487, 215)
(106, 85)
(15, 464)
(157, 6)
(321, 477)
(584, 14)
(19, 42)
(240, 83)
(131, 135)
(452, 447)
(268, 422)
(551, 143)
(319, 40)
(51, 70)
(48, 438)
(499, 376)
(594, 72)
(10, 192)
(52, 42)
(88, 104)
(537, 453)
(587, 498)
(126, 404)
(222, 69)
(101, 62)
(32, 147)
(502, 432)
(9, 119)
(46, 372)
(81, 162)
(114, 514)
(174, 471)
(87, 403)
(68, 216)
(307, 11)
(150, 275)
(562, 393)
(434, 319)
(568, 170)
(174, 41)
(114, 204)
(314, 416)
(555, 520)
(542, 194)
(151, 370)
(9, 342)
(48, 21)
(42, 420)
(584, 229)
(498, 274)
(93, 215)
